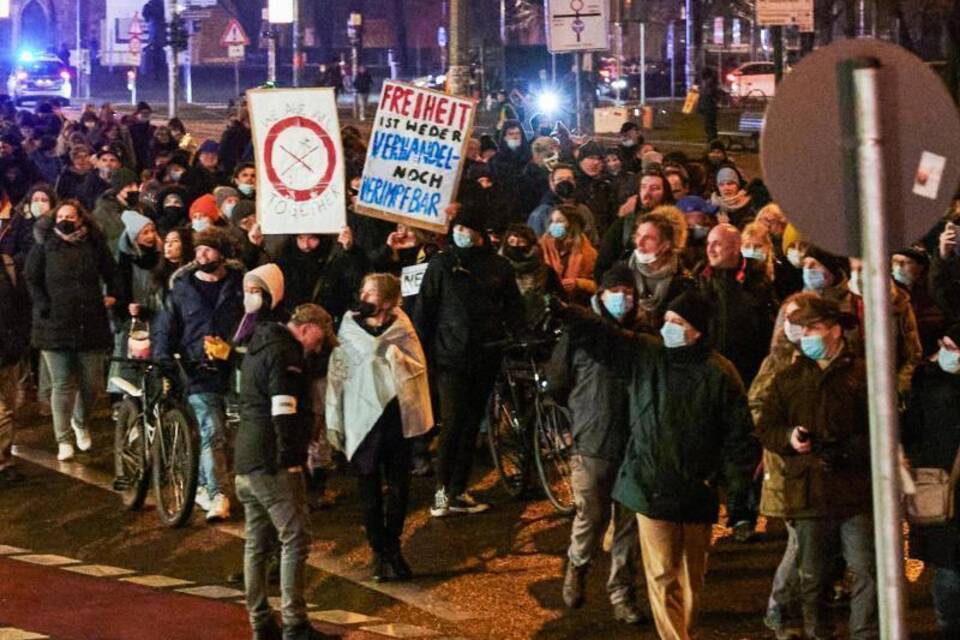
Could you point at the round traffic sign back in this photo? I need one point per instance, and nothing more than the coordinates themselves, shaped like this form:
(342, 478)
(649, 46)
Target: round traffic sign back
(802, 150)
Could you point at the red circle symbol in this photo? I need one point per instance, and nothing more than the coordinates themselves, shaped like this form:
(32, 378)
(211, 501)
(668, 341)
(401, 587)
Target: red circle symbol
(301, 174)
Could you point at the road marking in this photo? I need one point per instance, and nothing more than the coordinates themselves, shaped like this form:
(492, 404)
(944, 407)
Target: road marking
(6, 550)
(339, 616)
(9, 633)
(157, 582)
(46, 559)
(100, 570)
(401, 631)
(214, 592)
(407, 593)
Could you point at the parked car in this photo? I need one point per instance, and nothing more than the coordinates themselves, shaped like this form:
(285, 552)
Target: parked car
(40, 76)
(752, 80)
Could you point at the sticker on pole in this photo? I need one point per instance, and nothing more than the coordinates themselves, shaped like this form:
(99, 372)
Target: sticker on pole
(299, 157)
(415, 155)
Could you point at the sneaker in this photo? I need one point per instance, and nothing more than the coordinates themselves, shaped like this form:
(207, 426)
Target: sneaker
(202, 499)
(306, 631)
(219, 508)
(64, 451)
(628, 613)
(270, 630)
(441, 504)
(83, 436)
(574, 581)
(465, 503)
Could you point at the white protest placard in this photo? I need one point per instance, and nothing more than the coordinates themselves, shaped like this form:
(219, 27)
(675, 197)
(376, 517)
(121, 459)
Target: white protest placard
(299, 157)
(577, 25)
(415, 155)
(411, 278)
(785, 13)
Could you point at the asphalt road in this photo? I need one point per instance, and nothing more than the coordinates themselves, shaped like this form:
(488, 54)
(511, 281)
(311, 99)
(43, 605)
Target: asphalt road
(494, 575)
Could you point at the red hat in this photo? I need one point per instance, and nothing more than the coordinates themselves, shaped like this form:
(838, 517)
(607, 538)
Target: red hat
(207, 205)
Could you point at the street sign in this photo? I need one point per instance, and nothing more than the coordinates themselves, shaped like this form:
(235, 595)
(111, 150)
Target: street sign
(718, 30)
(441, 37)
(234, 35)
(735, 32)
(236, 51)
(136, 27)
(577, 25)
(803, 151)
(785, 13)
(300, 177)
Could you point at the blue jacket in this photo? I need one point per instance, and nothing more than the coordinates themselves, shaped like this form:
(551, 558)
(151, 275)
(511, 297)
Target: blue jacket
(187, 317)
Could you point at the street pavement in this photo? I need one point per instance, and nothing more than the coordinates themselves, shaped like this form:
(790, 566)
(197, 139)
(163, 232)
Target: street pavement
(74, 564)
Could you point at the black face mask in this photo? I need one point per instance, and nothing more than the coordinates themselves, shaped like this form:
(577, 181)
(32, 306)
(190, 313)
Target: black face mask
(364, 309)
(211, 267)
(516, 253)
(564, 190)
(133, 198)
(174, 213)
(66, 227)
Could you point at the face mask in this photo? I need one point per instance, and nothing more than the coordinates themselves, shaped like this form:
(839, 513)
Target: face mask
(902, 276)
(462, 240)
(948, 360)
(558, 230)
(629, 143)
(513, 145)
(245, 189)
(815, 279)
(200, 224)
(89, 124)
(564, 190)
(616, 303)
(105, 173)
(794, 257)
(753, 254)
(365, 309)
(175, 175)
(853, 284)
(813, 347)
(133, 198)
(66, 227)
(252, 302)
(39, 208)
(674, 336)
(211, 267)
(793, 332)
(644, 258)
(515, 253)
(173, 212)
(228, 209)
(698, 232)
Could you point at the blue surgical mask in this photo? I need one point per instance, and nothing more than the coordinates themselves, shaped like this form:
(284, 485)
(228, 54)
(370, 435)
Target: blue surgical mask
(813, 347)
(245, 189)
(753, 253)
(902, 276)
(200, 224)
(462, 240)
(815, 279)
(949, 360)
(616, 303)
(558, 229)
(674, 335)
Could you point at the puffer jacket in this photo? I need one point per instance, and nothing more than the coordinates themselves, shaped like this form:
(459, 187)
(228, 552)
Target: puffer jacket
(831, 403)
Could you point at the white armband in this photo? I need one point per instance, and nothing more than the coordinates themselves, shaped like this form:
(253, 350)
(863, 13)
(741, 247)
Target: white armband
(283, 405)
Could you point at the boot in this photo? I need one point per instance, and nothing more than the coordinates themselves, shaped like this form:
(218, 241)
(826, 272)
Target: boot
(574, 582)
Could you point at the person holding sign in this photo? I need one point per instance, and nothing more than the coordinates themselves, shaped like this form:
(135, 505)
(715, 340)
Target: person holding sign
(468, 299)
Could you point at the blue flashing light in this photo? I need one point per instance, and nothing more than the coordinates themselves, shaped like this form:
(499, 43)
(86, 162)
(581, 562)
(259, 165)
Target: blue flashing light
(26, 56)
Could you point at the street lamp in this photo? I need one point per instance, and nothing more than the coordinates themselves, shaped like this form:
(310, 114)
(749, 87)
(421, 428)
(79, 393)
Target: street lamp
(280, 11)
(4, 9)
(355, 37)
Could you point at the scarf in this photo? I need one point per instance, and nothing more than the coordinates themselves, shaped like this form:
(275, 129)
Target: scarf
(72, 238)
(551, 255)
(653, 284)
(732, 203)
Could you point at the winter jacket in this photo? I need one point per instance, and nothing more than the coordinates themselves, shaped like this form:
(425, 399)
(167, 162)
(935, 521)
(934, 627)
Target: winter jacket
(70, 184)
(328, 276)
(831, 403)
(690, 427)
(199, 181)
(945, 284)
(135, 279)
(16, 237)
(930, 318)
(468, 297)
(276, 418)
(67, 283)
(576, 265)
(15, 319)
(931, 436)
(744, 311)
(599, 196)
(141, 135)
(107, 214)
(48, 166)
(187, 317)
(368, 372)
(617, 243)
(233, 142)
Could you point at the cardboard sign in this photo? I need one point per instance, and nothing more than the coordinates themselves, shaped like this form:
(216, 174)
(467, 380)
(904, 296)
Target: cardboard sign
(299, 157)
(415, 155)
(411, 278)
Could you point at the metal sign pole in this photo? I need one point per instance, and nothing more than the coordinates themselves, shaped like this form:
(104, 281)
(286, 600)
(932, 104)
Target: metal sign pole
(643, 63)
(579, 59)
(859, 84)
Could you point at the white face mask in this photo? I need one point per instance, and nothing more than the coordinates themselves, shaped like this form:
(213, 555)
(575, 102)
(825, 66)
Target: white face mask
(252, 302)
(793, 332)
(39, 208)
(794, 257)
(644, 258)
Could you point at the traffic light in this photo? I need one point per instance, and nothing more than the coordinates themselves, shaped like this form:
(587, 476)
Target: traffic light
(177, 35)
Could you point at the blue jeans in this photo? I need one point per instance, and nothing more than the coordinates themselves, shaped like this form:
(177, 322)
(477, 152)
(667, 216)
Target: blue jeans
(76, 377)
(946, 600)
(275, 508)
(211, 413)
(783, 607)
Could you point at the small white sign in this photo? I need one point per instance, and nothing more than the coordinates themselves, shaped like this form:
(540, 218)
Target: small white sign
(718, 30)
(411, 278)
(786, 13)
(926, 184)
(577, 25)
(235, 51)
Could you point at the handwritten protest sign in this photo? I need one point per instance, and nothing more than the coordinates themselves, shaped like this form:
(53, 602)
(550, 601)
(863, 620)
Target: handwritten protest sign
(415, 155)
(410, 279)
(299, 157)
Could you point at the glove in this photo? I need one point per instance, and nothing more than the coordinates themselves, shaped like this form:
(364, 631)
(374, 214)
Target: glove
(336, 440)
(216, 348)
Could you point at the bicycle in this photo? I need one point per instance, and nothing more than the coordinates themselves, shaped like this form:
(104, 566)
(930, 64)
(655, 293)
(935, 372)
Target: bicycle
(156, 439)
(527, 423)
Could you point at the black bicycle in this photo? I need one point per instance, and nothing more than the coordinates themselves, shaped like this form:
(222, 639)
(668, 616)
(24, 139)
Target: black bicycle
(528, 428)
(155, 439)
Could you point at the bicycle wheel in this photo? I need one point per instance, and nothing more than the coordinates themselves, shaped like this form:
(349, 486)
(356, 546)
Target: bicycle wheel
(175, 465)
(131, 457)
(507, 446)
(554, 443)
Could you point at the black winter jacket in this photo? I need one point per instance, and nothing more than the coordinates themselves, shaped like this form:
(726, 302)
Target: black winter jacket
(15, 318)
(276, 421)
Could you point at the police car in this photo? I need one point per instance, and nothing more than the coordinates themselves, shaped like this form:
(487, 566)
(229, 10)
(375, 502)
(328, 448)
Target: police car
(39, 76)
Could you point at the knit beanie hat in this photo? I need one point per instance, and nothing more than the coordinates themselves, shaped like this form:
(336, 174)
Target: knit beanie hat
(121, 178)
(471, 217)
(244, 209)
(619, 275)
(207, 205)
(215, 238)
(220, 194)
(269, 278)
(133, 224)
(590, 149)
(693, 307)
(838, 266)
(728, 174)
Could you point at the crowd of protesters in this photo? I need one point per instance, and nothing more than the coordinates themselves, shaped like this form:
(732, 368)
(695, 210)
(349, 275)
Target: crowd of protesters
(709, 354)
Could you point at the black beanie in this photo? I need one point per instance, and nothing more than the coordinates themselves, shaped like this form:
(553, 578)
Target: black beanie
(953, 332)
(836, 265)
(487, 143)
(619, 275)
(693, 307)
(471, 217)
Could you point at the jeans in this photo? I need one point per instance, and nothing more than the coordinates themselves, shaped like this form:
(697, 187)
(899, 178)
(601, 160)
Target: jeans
(593, 480)
(9, 381)
(946, 600)
(211, 413)
(275, 508)
(783, 607)
(76, 377)
(817, 538)
(463, 404)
